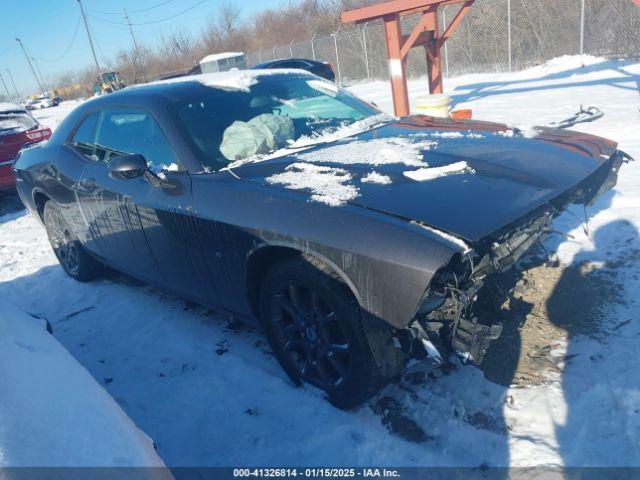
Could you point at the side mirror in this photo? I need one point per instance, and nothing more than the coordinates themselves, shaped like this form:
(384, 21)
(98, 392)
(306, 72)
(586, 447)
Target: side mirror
(129, 165)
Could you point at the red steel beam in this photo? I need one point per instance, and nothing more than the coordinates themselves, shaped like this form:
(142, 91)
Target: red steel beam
(425, 23)
(456, 20)
(393, 36)
(388, 8)
(425, 33)
(434, 64)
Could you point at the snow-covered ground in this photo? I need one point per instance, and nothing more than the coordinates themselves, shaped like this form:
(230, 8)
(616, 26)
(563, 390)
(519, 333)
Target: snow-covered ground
(208, 391)
(53, 411)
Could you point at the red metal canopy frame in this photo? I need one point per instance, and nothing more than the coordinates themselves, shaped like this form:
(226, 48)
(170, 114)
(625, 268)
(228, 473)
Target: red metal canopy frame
(426, 34)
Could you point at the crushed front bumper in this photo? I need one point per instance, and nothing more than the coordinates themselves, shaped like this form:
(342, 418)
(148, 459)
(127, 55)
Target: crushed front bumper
(446, 319)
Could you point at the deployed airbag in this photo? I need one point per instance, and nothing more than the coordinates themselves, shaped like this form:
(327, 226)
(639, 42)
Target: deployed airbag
(261, 134)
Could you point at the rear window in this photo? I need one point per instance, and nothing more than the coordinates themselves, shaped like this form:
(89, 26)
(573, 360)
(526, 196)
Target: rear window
(16, 122)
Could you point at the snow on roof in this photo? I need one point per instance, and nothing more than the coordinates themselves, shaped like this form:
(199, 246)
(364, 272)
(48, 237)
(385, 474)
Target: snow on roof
(214, 57)
(9, 107)
(54, 414)
(231, 80)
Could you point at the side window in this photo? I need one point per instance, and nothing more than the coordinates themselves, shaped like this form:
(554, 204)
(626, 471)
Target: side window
(84, 139)
(122, 131)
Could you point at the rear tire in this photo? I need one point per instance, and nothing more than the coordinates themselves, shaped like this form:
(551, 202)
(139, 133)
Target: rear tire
(72, 256)
(314, 326)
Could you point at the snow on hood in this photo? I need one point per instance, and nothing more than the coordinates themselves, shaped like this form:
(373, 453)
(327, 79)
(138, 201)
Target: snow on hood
(375, 177)
(327, 185)
(424, 174)
(53, 413)
(378, 151)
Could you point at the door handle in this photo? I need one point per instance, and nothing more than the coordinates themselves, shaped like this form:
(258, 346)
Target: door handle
(88, 184)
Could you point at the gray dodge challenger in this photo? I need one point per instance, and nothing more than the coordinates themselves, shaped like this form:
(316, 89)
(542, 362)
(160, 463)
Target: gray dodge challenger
(358, 241)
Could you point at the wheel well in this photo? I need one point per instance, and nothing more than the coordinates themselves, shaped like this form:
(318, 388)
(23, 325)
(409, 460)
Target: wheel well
(40, 199)
(257, 267)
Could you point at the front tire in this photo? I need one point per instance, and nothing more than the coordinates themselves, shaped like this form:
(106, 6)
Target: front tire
(314, 326)
(72, 256)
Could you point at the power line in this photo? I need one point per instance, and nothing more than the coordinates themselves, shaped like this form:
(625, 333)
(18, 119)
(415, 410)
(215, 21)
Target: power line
(14, 83)
(8, 49)
(86, 26)
(135, 45)
(5, 87)
(105, 59)
(153, 21)
(73, 39)
(38, 69)
(30, 65)
(132, 11)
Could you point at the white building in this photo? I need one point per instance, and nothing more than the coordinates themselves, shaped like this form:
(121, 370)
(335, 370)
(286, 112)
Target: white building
(221, 62)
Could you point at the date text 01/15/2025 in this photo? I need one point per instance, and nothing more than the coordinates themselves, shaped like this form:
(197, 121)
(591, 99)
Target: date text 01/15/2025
(315, 472)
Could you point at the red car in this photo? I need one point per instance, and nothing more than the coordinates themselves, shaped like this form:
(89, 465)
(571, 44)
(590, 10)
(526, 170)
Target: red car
(18, 129)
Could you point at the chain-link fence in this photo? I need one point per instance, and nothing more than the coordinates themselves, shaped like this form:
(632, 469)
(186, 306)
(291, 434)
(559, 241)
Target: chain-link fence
(496, 35)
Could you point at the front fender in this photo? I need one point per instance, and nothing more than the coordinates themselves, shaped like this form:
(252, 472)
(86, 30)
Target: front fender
(386, 261)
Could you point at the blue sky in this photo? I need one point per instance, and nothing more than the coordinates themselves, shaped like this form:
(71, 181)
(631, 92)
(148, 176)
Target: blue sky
(46, 27)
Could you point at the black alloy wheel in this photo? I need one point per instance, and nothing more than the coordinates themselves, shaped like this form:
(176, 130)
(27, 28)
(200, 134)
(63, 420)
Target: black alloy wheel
(307, 329)
(314, 326)
(67, 248)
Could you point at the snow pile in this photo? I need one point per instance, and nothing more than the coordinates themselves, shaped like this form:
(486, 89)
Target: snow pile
(527, 131)
(424, 174)
(327, 185)
(10, 107)
(51, 117)
(53, 413)
(375, 177)
(522, 130)
(447, 134)
(560, 64)
(506, 133)
(378, 151)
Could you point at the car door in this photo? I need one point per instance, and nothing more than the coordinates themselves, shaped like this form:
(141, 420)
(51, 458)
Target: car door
(116, 210)
(145, 223)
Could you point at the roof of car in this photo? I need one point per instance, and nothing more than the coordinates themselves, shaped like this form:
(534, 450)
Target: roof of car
(283, 60)
(180, 87)
(10, 107)
(233, 80)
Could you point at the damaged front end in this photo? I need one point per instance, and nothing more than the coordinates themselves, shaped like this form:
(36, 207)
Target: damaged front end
(445, 321)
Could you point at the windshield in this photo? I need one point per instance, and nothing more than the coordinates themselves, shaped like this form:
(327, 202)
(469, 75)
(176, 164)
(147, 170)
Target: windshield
(276, 112)
(16, 121)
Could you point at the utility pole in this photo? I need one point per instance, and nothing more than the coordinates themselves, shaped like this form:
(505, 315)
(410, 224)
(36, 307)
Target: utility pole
(135, 45)
(14, 83)
(93, 51)
(38, 69)
(5, 87)
(30, 66)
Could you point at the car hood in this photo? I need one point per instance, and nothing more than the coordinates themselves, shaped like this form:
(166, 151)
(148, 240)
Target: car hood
(509, 172)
